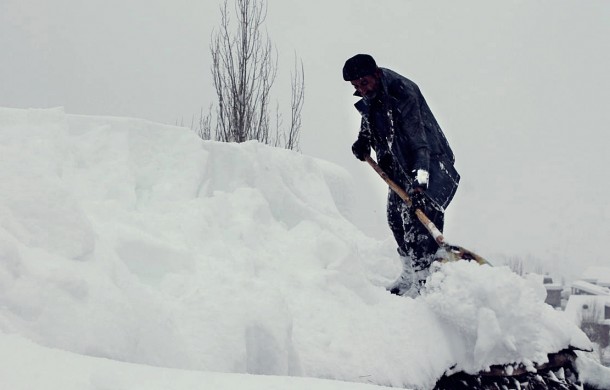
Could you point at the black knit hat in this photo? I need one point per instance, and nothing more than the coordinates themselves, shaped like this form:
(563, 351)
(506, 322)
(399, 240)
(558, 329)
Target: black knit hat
(359, 66)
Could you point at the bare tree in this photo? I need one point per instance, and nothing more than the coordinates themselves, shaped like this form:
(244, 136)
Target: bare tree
(205, 125)
(244, 68)
(297, 98)
(516, 265)
(522, 266)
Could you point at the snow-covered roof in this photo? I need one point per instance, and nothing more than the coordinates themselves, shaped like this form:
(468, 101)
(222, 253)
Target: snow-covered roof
(597, 274)
(554, 286)
(590, 288)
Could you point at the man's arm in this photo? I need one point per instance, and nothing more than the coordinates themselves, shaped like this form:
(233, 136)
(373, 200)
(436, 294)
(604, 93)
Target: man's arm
(412, 126)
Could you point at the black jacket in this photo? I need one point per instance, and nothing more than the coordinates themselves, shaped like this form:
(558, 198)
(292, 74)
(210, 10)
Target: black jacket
(398, 122)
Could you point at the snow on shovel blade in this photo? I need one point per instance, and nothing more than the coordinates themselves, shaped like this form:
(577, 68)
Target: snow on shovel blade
(450, 252)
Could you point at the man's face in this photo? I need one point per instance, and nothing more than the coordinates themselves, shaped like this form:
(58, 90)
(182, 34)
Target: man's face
(367, 85)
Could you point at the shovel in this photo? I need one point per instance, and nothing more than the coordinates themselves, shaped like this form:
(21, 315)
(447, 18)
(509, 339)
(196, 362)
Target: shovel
(452, 252)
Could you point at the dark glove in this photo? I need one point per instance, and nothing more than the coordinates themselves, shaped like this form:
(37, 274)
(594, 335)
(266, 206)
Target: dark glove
(418, 198)
(361, 149)
(418, 189)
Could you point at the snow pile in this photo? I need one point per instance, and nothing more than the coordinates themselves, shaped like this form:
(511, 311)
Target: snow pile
(25, 365)
(140, 243)
(501, 317)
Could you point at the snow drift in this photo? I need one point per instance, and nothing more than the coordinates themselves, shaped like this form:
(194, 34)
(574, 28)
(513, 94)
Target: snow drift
(140, 243)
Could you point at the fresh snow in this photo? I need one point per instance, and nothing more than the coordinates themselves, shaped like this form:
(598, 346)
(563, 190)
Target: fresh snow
(134, 255)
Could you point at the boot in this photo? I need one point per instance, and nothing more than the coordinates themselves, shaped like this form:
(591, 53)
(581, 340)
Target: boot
(404, 282)
(419, 279)
(412, 280)
(402, 285)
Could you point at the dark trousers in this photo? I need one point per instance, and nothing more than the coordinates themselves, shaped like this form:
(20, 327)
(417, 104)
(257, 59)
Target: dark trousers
(412, 237)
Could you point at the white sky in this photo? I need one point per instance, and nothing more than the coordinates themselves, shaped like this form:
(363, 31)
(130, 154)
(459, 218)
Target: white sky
(521, 89)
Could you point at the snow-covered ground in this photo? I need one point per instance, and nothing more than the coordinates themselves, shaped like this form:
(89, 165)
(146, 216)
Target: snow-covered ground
(134, 255)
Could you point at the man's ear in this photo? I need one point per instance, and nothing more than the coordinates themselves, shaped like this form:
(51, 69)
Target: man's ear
(378, 73)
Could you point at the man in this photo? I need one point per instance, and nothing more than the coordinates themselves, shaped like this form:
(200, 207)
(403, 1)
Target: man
(413, 151)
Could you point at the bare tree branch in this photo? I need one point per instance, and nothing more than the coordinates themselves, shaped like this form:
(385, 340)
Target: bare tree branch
(297, 100)
(244, 69)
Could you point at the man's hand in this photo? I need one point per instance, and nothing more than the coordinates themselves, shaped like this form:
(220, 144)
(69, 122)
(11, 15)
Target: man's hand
(418, 198)
(418, 187)
(361, 149)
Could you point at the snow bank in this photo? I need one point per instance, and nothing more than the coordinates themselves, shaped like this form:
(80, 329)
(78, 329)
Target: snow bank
(35, 367)
(500, 317)
(140, 243)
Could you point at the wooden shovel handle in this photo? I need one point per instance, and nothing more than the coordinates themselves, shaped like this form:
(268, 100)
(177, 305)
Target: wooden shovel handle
(423, 218)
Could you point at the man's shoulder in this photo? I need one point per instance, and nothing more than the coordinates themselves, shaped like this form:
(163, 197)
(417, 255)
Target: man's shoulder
(398, 85)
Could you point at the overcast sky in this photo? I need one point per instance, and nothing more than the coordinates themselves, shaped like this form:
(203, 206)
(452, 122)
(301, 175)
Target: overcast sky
(521, 89)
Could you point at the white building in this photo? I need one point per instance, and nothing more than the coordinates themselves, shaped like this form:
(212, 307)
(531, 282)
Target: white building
(589, 304)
